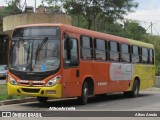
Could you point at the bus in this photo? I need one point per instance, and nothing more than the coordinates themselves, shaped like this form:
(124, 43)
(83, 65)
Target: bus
(62, 61)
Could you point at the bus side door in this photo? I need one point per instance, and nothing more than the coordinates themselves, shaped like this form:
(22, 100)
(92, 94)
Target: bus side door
(71, 85)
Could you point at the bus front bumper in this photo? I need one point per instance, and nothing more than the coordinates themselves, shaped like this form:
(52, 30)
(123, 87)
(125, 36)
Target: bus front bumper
(54, 91)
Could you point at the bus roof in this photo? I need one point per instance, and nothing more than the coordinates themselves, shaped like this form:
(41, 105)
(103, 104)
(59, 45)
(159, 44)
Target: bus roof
(94, 34)
(141, 44)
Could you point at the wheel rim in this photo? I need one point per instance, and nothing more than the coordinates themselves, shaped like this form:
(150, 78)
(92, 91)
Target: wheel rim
(86, 92)
(136, 90)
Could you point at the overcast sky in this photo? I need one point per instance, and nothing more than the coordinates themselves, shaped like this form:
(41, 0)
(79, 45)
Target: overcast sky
(147, 12)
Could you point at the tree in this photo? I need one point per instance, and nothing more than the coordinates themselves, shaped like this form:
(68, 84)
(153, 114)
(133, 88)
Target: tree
(115, 28)
(91, 10)
(133, 30)
(55, 6)
(12, 8)
(94, 9)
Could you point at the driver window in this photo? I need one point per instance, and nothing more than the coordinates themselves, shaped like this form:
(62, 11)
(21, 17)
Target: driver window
(74, 55)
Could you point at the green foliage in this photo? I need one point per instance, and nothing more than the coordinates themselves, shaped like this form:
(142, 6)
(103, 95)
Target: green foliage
(55, 6)
(129, 29)
(79, 21)
(94, 9)
(4, 95)
(11, 9)
(133, 30)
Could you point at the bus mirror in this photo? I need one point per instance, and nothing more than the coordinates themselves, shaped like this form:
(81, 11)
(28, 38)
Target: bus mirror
(68, 44)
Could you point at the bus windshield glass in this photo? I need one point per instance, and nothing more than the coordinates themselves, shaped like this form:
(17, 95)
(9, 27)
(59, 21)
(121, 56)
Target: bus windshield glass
(35, 49)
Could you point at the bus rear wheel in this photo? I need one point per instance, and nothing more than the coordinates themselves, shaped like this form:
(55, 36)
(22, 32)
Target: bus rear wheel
(135, 90)
(42, 99)
(85, 93)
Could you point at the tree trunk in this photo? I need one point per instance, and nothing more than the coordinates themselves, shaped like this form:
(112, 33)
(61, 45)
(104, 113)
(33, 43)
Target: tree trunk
(89, 24)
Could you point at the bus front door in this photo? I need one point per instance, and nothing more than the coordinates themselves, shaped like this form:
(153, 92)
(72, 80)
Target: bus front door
(71, 84)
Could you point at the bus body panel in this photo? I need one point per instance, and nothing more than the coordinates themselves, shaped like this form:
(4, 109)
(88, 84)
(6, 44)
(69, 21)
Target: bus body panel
(101, 77)
(121, 76)
(71, 83)
(30, 90)
(55, 92)
(145, 74)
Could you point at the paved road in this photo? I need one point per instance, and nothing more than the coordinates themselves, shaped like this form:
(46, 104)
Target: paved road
(147, 101)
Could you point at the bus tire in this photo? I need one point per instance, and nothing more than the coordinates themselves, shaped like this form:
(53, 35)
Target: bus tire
(85, 93)
(42, 99)
(135, 90)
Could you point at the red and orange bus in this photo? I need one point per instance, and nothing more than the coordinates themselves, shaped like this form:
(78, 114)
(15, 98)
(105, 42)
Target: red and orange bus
(62, 61)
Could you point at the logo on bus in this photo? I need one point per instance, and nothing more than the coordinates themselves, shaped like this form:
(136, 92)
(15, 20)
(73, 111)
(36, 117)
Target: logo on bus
(120, 71)
(30, 83)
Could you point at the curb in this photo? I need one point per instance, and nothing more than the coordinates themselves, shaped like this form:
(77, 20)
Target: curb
(15, 101)
(153, 89)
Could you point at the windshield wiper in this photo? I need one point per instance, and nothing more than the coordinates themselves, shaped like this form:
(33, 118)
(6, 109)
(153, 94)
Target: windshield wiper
(39, 48)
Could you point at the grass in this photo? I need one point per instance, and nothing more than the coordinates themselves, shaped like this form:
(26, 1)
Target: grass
(4, 95)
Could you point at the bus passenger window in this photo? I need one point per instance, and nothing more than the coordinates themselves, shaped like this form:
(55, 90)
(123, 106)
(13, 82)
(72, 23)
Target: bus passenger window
(114, 51)
(151, 56)
(145, 56)
(100, 50)
(135, 54)
(86, 48)
(125, 53)
(70, 53)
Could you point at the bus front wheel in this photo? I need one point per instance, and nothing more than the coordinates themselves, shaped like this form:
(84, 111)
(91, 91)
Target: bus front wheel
(42, 99)
(85, 93)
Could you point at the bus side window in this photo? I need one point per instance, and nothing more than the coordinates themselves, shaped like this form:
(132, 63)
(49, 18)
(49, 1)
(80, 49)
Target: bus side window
(70, 53)
(145, 56)
(125, 53)
(136, 54)
(100, 50)
(151, 56)
(114, 51)
(86, 48)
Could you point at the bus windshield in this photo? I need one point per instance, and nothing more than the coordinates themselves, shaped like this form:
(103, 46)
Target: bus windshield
(37, 51)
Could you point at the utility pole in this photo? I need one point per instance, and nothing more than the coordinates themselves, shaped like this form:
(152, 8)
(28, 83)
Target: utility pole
(35, 6)
(151, 28)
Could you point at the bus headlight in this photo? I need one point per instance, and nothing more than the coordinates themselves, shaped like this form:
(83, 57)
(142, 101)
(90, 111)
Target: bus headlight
(12, 81)
(53, 81)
